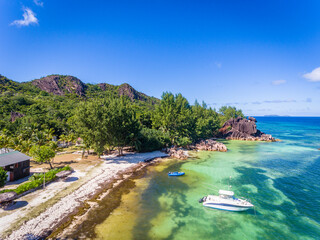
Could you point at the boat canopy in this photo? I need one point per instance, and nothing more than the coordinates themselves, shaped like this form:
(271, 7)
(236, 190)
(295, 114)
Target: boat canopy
(225, 192)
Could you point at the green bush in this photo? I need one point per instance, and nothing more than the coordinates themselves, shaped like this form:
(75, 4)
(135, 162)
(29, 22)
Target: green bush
(183, 141)
(152, 139)
(36, 180)
(3, 177)
(35, 176)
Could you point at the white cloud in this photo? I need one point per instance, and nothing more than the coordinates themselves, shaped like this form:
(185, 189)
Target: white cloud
(313, 76)
(28, 18)
(278, 82)
(38, 3)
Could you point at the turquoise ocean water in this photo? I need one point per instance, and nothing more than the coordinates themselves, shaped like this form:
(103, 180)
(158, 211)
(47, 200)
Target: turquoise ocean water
(282, 179)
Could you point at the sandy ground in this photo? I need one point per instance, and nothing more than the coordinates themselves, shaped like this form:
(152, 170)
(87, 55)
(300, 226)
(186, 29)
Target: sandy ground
(74, 160)
(40, 212)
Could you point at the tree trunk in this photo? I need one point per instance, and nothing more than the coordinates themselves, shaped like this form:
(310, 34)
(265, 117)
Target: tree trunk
(120, 151)
(50, 164)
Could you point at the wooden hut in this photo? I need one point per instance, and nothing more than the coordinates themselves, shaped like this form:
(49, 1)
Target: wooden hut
(16, 164)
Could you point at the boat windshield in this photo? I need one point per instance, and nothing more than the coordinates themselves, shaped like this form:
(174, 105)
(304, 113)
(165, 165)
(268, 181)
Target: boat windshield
(226, 196)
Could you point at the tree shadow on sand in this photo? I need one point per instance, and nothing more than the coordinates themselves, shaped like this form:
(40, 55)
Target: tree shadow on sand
(71, 179)
(16, 205)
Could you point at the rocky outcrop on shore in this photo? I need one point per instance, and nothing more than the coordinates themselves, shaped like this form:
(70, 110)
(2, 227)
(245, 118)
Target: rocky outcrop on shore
(7, 199)
(178, 153)
(63, 174)
(202, 145)
(243, 129)
(209, 145)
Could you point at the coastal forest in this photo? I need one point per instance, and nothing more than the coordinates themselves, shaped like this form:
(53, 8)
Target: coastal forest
(35, 115)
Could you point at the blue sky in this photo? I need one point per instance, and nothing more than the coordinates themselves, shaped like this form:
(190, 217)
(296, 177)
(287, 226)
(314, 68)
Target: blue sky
(260, 56)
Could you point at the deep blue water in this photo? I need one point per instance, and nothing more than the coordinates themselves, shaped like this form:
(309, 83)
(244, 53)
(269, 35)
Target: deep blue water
(302, 185)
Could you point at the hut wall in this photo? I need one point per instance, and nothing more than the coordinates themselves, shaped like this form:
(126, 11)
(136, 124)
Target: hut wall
(18, 170)
(21, 170)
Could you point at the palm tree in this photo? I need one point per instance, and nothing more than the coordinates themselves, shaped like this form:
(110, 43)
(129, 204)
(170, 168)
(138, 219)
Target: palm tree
(15, 143)
(42, 137)
(71, 138)
(25, 146)
(5, 140)
(63, 138)
(53, 145)
(49, 133)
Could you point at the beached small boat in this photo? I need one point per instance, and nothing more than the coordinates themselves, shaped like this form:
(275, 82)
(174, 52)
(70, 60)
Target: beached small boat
(226, 201)
(175, 174)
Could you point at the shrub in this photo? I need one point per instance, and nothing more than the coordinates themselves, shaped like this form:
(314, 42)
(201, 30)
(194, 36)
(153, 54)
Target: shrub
(3, 177)
(183, 141)
(152, 139)
(36, 180)
(35, 176)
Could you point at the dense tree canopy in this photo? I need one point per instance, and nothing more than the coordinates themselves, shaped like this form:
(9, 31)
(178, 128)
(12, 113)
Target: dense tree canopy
(90, 123)
(229, 112)
(107, 122)
(184, 123)
(103, 120)
(173, 116)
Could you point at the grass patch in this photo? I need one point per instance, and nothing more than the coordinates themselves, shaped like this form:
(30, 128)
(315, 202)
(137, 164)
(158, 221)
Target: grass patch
(36, 180)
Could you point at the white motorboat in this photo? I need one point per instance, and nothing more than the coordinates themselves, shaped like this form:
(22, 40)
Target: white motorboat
(226, 201)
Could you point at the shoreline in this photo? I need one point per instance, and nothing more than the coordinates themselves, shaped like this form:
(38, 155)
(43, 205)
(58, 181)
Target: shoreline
(78, 223)
(63, 217)
(107, 176)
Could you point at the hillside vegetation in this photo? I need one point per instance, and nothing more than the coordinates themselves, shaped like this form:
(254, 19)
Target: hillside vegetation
(104, 116)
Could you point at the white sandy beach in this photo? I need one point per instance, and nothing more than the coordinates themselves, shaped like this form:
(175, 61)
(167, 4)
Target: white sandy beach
(62, 198)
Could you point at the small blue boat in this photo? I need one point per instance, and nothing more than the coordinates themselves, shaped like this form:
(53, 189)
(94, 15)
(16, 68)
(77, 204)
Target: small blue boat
(175, 174)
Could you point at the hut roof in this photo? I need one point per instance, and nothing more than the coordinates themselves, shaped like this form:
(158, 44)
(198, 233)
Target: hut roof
(12, 158)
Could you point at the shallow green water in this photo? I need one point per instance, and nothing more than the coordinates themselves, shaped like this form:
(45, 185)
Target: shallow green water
(281, 179)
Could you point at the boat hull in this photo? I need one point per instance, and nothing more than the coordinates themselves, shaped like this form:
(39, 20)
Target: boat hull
(175, 174)
(226, 207)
